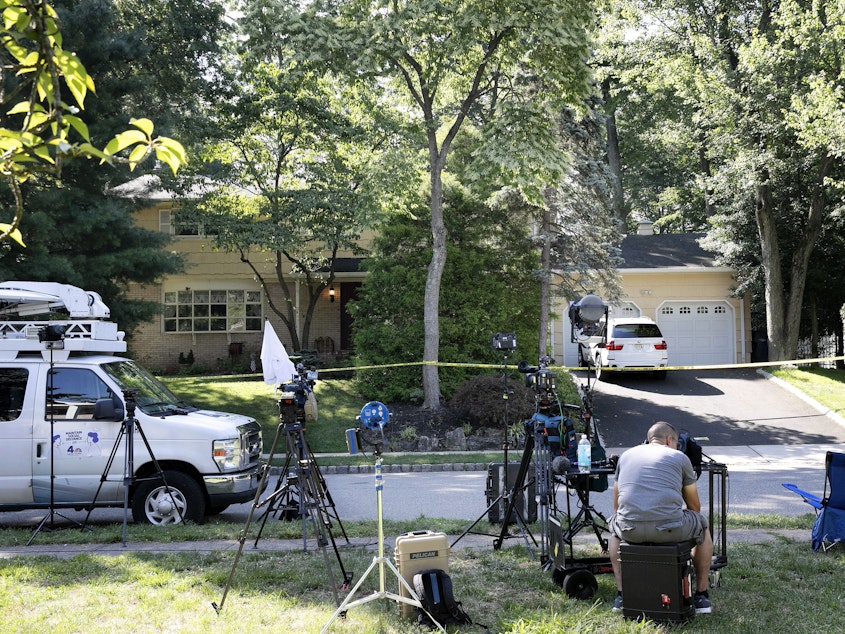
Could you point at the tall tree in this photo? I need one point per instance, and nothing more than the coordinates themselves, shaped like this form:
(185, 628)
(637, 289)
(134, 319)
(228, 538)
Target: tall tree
(438, 61)
(489, 286)
(290, 186)
(760, 93)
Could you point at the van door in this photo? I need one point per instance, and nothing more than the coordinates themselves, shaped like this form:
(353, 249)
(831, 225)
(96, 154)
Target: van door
(74, 445)
(17, 393)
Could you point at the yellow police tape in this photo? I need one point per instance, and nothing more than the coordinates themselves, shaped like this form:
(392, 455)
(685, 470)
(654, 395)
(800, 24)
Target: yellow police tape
(723, 366)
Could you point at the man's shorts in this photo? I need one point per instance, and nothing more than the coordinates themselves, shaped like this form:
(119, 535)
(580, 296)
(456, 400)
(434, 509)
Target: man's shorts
(693, 525)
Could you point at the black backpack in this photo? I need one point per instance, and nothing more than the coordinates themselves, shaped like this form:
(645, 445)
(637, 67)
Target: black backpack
(434, 588)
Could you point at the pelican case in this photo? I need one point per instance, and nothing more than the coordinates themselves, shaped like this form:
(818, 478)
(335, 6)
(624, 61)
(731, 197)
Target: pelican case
(417, 551)
(657, 581)
(525, 498)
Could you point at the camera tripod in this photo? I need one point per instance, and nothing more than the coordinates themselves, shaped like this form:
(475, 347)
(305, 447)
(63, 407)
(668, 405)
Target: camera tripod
(509, 495)
(310, 504)
(128, 428)
(300, 489)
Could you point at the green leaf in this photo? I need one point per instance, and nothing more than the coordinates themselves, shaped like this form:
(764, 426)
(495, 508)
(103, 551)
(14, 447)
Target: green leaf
(143, 124)
(123, 140)
(14, 234)
(78, 125)
(137, 155)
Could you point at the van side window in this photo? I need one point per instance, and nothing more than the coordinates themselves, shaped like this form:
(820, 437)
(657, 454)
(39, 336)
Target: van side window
(72, 392)
(12, 390)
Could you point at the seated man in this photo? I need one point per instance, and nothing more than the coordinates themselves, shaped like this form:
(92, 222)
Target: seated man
(655, 499)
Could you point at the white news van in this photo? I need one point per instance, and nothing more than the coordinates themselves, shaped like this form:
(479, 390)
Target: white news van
(63, 406)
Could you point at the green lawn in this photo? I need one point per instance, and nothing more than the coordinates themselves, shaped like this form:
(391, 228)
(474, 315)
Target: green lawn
(827, 386)
(779, 586)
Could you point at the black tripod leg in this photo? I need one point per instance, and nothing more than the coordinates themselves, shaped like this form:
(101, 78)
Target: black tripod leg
(279, 495)
(159, 471)
(242, 535)
(519, 485)
(105, 473)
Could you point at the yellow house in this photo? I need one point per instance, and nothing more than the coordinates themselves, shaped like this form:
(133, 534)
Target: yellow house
(216, 309)
(672, 280)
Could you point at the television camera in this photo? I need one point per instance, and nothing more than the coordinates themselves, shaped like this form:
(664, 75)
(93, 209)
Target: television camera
(297, 402)
(542, 380)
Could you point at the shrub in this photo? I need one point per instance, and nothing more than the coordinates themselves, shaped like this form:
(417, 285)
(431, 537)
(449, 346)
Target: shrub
(479, 401)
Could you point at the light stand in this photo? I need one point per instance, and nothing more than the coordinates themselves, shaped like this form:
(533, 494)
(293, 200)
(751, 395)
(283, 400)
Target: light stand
(53, 338)
(380, 562)
(507, 342)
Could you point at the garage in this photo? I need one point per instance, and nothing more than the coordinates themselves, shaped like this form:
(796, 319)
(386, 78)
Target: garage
(698, 332)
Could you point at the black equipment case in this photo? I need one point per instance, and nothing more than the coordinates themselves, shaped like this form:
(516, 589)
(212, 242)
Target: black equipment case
(657, 581)
(525, 498)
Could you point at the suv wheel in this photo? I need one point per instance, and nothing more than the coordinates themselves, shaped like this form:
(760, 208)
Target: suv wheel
(600, 376)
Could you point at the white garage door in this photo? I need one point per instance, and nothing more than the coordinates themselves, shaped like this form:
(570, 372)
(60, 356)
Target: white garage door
(698, 332)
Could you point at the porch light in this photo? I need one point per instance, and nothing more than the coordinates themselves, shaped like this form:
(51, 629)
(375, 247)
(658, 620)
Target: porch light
(331, 294)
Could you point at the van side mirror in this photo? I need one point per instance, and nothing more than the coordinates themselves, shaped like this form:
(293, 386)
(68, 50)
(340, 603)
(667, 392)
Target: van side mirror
(108, 409)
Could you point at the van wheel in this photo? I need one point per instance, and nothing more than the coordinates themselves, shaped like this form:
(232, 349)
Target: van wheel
(157, 504)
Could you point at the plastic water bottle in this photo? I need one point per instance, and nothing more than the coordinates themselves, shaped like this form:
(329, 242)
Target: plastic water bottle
(584, 454)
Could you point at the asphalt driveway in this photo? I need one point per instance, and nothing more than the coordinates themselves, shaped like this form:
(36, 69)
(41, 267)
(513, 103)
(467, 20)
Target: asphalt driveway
(728, 407)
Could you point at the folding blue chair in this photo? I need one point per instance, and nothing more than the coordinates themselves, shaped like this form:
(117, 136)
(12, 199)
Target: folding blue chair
(829, 528)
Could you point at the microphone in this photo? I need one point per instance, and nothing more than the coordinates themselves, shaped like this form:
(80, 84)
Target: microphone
(560, 465)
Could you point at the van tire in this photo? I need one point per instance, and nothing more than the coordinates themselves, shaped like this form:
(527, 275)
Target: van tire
(153, 502)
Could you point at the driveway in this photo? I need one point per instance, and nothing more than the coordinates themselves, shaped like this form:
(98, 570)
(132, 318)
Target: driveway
(727, 407)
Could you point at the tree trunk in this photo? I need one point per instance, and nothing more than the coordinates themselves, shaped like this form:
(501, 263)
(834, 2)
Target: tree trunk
(783, 312)
(545, 280)
(614, 161)
(431, 312)
(773, 289)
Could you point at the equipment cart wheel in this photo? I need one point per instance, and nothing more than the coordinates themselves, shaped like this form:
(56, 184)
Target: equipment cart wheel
(580, 584)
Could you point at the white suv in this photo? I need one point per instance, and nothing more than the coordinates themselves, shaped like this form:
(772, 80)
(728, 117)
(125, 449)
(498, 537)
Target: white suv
(626, 342)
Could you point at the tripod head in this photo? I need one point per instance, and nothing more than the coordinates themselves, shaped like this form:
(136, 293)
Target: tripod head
(131, 401)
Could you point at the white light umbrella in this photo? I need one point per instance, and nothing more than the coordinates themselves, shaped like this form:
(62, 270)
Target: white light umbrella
(275, 363)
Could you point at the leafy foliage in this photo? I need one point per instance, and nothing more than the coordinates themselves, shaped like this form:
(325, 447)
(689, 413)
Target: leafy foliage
(42, 128)
(488, 287)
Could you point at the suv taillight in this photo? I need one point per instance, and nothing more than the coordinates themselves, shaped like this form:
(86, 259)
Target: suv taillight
(660, 346)
(613, 346)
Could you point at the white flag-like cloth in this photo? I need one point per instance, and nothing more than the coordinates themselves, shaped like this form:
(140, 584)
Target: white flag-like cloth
(275, 362)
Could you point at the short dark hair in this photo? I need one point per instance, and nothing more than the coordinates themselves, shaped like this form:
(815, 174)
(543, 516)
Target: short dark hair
(661, 430)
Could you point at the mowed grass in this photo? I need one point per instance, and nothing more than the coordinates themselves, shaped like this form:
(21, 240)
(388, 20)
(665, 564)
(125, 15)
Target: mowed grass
(774, 587)
(825, 385)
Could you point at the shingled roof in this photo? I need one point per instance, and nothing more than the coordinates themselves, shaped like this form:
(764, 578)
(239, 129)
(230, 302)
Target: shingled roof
(665, 250)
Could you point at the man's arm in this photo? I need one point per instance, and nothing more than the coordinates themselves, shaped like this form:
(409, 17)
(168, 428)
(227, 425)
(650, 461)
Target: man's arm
(690, 495)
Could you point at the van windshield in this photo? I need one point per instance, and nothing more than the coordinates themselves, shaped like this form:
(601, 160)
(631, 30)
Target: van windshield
(152, 397)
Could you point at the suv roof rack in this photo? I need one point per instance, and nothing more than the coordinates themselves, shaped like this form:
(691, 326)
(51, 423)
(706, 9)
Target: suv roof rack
(85, 331)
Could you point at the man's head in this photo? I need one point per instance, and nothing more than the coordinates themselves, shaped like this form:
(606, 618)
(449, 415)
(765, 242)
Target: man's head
(662, 433)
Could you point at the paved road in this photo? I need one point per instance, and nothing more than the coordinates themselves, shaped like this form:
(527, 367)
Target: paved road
(770, 432)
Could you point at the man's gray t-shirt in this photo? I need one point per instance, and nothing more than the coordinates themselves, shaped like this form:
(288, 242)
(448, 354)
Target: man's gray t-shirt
(649, 479)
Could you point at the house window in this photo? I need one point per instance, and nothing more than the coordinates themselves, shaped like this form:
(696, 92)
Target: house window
(212, 311)
(667, 310)
(702, 310)
(685, 310)
(720, 310)
(167, 224)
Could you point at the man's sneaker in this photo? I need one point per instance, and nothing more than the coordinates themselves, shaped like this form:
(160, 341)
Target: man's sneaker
(617, 603)
(702, 604)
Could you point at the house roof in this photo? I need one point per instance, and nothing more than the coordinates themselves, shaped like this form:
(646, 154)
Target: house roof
(665, 250)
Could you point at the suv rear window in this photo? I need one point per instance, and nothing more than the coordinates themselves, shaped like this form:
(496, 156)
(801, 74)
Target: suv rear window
(631, 331)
